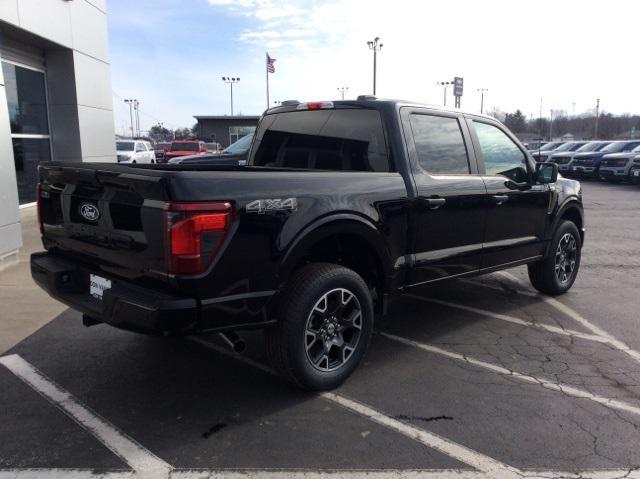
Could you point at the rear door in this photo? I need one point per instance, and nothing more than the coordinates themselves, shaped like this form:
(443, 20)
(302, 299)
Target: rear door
(517, 206)
(448, 217)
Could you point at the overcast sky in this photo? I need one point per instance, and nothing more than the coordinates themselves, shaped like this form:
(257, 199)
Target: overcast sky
(171, 54)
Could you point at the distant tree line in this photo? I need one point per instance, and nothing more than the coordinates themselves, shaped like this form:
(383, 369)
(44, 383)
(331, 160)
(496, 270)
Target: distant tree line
(160, 133)
(581, 126)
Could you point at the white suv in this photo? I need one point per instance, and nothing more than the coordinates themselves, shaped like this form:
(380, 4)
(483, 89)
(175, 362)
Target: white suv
(135, 151)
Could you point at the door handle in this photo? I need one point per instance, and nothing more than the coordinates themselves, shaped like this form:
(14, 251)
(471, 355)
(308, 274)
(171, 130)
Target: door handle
(435, 203)
(499, 199)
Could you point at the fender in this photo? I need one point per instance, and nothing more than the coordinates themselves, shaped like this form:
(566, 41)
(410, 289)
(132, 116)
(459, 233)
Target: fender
(570, 203)
(331, 225)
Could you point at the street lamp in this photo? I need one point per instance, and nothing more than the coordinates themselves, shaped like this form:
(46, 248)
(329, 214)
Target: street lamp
(343, 89)
(482, 90)
(130, 102)
(376, 47)
(445, 84)
(231, 81)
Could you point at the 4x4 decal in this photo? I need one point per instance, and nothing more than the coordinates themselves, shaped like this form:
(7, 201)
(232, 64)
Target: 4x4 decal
(272, 204)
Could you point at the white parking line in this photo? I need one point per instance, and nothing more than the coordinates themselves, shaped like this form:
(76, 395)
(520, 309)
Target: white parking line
(140, 459)
(292, 474)
(512, 319)
(564, 388)
(472, 458)
(573, 314)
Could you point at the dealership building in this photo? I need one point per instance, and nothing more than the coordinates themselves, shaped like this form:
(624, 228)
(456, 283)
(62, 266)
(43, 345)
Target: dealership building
(225, 129)
(55, 97)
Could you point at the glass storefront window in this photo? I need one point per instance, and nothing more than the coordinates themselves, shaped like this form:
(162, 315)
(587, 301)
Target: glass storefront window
(237, 132)
(27, 153)
(27, 104)
(26, 99)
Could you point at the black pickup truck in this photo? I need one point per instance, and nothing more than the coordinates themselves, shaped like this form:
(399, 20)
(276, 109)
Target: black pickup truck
(342, 206)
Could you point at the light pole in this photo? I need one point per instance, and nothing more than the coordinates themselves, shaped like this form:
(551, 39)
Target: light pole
(482, 90)
(597, 117)
(136, 108)
(231, 81)
(343, 89)
(550, 125)
(130, 103)
(445, 84)
(376, 47)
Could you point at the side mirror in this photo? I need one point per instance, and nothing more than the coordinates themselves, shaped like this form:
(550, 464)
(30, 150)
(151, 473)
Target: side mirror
(546, 173)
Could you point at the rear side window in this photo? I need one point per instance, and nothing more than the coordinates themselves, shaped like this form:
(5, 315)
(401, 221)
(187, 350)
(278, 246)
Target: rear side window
(343, 140)
(439, 145)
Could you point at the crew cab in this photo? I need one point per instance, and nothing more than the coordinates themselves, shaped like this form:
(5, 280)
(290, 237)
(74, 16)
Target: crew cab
(184, 148)
(343, 207)
(565, 159)
(587, 165)
(617, 166)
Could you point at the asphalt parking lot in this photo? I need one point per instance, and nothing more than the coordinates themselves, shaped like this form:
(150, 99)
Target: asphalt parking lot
(471, 378)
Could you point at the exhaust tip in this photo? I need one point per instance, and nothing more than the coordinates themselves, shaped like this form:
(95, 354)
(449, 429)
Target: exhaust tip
(235, 342)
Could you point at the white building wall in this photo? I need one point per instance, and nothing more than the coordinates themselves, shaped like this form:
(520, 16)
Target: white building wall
(73, 35)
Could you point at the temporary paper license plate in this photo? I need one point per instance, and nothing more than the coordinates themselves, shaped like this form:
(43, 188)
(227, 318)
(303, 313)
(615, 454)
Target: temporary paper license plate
(98, 285)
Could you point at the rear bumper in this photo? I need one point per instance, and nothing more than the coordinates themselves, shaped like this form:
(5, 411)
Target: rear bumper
(132, 307)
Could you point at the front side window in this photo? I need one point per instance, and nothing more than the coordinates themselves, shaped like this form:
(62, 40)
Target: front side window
(343, 139)
(501, 155)
(439, 145)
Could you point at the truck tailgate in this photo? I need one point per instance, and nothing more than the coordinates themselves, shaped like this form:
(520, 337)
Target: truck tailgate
(111, 218)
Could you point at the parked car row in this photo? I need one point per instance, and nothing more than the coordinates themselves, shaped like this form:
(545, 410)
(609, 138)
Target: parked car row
(606, 160)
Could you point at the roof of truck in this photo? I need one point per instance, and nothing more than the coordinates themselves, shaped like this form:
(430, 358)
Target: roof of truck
(369, 101)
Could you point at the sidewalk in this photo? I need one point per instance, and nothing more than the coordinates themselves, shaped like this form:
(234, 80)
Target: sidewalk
(24, 306)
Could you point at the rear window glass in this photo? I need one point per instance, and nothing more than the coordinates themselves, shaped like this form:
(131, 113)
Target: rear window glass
(185, 147)
(344, 140)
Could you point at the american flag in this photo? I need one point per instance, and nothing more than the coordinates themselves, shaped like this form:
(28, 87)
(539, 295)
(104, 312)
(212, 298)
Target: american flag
(271, 68)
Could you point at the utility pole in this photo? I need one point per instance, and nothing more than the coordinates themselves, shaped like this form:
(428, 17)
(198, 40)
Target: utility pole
(540, 118)
(231, 81)
(343, 89)
(130, 103)
(597, 117)
(482, 90)
(550, 125)
(444, 84)
(376, 47)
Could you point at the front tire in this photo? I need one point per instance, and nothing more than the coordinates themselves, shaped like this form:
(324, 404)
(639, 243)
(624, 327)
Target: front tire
(324, 326)
(558, 271)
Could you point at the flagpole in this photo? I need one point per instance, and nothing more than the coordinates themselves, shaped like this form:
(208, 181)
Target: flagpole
(266, 69)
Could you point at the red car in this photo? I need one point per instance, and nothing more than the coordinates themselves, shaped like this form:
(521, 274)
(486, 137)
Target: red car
(185, 147)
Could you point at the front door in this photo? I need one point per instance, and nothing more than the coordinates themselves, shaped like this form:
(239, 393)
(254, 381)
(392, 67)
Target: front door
(517, 206)
(448, 215)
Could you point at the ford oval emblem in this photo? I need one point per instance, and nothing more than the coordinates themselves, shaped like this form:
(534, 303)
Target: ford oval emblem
(89, 211)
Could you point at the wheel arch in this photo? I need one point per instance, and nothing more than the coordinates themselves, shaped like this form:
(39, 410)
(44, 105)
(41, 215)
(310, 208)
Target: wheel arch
(571, 211)
(346, 239)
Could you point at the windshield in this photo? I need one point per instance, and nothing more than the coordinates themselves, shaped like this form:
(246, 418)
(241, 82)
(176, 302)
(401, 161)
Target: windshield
(239, 146)
(591, 146)
(124, 145)
(630, 146)
(550, 146)
(613, 147)
(566, 147)
(161, 146)
(602, 146)
(184, 147)
(576, 146)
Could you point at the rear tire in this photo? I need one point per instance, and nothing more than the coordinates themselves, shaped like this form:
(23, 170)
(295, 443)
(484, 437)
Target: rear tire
(324, 326)
(557, 272)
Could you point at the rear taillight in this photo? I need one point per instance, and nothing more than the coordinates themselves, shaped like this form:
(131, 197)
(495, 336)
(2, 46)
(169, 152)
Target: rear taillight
(194, 234)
